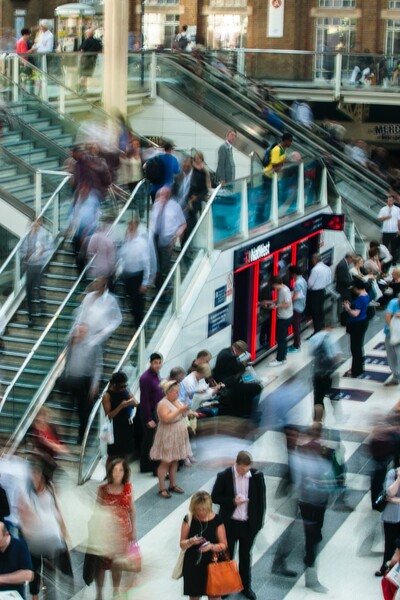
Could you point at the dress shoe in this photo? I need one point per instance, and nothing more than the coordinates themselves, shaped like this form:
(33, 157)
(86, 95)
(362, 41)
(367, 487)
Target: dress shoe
(248, 593)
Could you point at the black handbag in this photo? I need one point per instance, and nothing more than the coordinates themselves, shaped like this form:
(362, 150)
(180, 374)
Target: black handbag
(380, 502)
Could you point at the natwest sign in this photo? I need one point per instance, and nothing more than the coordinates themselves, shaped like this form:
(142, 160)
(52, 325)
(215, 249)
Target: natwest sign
(257, 252)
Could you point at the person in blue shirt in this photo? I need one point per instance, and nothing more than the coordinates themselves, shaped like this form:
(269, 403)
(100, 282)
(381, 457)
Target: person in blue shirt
(15, 563)
(392, 350)
(357, 326)
(171, 167)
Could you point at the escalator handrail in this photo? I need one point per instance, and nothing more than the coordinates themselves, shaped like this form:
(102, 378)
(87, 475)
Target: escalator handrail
(61, 307)
(306, 136)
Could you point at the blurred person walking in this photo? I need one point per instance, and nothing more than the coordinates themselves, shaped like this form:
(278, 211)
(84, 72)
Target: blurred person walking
(390, 517)
(135, 262)
(199, 526)
(241, 494)
(36, 250)
(117, 496)
(167, 224)
(150, 395)
(101, 248)
(171, 441)
(44, 530)
(392, 345)
(389, 216)
(325, 355)
(84, 221)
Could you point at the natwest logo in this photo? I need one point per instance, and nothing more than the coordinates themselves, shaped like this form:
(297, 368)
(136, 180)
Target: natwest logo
(256, 253)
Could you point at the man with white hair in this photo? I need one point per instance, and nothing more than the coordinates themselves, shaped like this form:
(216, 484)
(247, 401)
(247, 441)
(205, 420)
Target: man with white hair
(45, 42)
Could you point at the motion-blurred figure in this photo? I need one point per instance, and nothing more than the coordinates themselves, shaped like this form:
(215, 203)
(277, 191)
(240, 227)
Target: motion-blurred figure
(84, 221)
(36, 249)
(101, 248)
(15, 563)
(326, 356)
(90, 47)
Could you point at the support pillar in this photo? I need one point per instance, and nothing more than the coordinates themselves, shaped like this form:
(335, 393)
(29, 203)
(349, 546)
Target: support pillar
(115, 85)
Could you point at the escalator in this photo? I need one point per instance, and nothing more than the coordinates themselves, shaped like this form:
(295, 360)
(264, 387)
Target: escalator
(217, 101)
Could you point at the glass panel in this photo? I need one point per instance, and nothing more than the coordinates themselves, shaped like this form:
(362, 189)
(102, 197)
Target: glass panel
(138, 72)
(226, 211)
(312, 182)
(336, 3)
(259, 196)
(288, 183)
(226, 31)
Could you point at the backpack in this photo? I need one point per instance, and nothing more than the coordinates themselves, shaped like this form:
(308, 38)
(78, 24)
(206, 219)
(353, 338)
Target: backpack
(154, 169)
(266, 159)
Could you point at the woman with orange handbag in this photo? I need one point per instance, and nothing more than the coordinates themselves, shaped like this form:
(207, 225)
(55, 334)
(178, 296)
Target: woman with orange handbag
(201, 536)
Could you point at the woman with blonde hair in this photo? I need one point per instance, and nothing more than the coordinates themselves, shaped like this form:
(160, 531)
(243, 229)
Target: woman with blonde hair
(171, 442)
(202, 534)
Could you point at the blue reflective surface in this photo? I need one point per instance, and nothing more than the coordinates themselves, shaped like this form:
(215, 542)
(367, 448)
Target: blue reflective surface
(226, 214)
(312, 182)
(287, 190)
(259, 194)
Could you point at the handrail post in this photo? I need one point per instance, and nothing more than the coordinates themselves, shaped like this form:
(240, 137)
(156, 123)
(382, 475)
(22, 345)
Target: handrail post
(17, 272)
(153, 76)
(56, 216)
(324, 188)
(209, 233)
(352, 234)
(142, 359)
(338, 207)
(274, 201)
(338, 74)
(244, 211)
(241, 66)
(15, 78)
(43, 87)
(38, 193)
(300, 190)
(62, 100)
(177, 297)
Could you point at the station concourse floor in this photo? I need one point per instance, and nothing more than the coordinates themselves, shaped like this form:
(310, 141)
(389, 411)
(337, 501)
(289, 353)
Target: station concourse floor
(346, 565)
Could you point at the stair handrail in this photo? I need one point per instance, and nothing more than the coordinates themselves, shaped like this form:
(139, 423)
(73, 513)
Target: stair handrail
(37, 401)
(306, 136)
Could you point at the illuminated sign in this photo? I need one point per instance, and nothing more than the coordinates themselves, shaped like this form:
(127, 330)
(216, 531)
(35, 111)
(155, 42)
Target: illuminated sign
(257, 252)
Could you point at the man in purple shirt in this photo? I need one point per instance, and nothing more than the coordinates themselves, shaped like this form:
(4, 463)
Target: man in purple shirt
(150, 395)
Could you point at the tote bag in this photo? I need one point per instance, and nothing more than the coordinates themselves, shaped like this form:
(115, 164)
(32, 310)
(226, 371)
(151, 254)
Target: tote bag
(223, 577)
(394, 330)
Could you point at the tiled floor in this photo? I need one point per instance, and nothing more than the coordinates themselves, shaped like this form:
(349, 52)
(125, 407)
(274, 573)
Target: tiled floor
(345, 565)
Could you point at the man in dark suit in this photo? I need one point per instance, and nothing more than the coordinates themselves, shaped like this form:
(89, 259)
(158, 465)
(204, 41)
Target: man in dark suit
(343, 282)
(343, 277)
(226, 167)
(240, 492)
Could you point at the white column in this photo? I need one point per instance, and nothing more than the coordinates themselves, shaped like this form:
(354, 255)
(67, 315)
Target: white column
(115, 84)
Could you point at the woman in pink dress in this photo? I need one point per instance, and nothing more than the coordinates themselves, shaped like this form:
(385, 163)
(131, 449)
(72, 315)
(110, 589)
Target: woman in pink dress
(171, 442)
(117, 494)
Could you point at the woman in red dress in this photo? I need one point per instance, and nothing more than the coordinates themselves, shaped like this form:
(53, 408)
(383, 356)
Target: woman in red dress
(117, 494)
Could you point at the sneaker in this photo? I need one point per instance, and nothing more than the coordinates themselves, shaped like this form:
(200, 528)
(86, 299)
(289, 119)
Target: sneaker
(276, 363)
(293, 349)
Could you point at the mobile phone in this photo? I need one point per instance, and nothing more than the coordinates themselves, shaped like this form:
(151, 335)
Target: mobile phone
(204, 544)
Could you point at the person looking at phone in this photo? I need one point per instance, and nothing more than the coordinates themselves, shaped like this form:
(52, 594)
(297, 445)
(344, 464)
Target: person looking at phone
(240, 492)
(202, 534)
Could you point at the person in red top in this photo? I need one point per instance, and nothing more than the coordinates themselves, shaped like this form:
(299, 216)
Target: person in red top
(22, 46)
(117, 494)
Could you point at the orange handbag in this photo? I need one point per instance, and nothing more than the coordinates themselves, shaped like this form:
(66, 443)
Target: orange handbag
(223, 576)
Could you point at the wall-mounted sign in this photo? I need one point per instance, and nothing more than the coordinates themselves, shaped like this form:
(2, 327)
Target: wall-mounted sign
(220, 295)
(276, 14)
(219, 319)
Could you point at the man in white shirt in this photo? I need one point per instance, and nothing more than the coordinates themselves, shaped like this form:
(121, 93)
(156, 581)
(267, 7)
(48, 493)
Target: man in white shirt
(45, 42)
(136, 263)
(195, 383)
(319, 279)
(389, 216)
(167, 224)
(240, 492)
(284, 307)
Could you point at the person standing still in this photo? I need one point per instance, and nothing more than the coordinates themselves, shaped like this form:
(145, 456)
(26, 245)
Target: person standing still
(299, 294)
(241, 494)
(320, 278)
(226, 166)
(150, 395)
(284, 314)
(389, 216)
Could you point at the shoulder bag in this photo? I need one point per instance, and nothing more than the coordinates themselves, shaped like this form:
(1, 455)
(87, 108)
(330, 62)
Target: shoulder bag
(177, 572)
(223, 576)
(394, 575)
